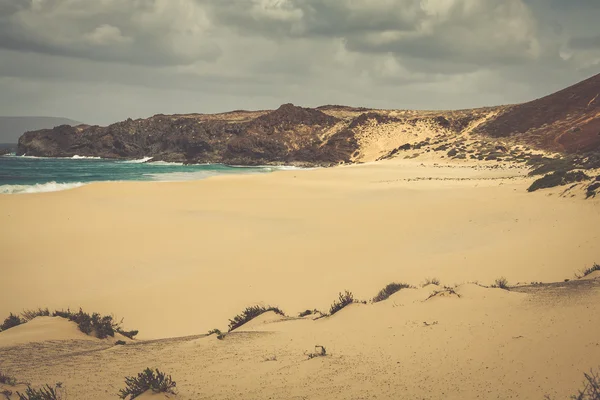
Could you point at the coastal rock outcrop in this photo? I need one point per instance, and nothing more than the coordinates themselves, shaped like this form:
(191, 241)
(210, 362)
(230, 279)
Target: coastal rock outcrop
(567, 122)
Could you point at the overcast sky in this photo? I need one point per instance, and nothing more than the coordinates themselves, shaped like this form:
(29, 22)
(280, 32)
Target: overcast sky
(100, 61)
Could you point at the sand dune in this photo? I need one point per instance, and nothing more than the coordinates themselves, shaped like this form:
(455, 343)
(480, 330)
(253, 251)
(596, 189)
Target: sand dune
(179, 259)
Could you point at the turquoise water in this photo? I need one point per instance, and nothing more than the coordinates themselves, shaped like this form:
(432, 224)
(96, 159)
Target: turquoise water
(30, 174)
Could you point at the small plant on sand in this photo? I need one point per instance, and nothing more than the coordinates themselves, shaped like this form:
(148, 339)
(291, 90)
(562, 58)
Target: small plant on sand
(431, 281)
(307, 313)
(320, 351)
(120, 343)
(10, 322)
(447, 290)
(220, 335)
(127, 334)
(156, 381)
(6, 379)
(591, 387)
(501, 283)
(46, 392)
(28, 315)
(343, 300)
(389, 290)
(249, 314)
(586, 271)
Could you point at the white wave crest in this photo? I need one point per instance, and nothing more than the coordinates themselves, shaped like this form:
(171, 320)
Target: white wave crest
(38, 188)
(165, 163)
(76, 157)
(140, 161)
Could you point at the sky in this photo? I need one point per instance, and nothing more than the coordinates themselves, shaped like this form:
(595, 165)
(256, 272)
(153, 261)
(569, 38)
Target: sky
(101, 61)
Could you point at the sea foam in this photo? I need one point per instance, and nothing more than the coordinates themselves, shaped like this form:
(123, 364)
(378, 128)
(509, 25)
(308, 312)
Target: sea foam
(76, 157)
(38, 188)
(140, 161)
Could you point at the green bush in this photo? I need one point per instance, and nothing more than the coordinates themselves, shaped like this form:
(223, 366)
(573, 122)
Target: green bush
(249, 314)
(10, 322)
(343, 300)
(120, 343)
(557, 178)
(157, 382)
(390, 290)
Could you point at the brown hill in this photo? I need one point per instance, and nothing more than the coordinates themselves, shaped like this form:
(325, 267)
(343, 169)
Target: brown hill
(566, 121)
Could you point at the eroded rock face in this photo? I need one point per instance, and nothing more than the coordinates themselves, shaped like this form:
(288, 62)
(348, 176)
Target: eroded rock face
(289, 134)
(567, 121)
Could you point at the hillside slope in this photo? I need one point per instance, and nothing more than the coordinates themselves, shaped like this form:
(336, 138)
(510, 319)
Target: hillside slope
(566, 122)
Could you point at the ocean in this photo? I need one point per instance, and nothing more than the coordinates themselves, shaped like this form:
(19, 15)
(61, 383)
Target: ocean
(38, 174)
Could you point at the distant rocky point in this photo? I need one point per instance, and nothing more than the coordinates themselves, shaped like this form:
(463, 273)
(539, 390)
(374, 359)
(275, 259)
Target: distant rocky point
(566, 122)
(11, 128)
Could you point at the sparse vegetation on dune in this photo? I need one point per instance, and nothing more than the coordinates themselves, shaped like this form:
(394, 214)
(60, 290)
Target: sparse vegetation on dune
(389, 290)
(28, 315)
(501, 283)
(306, 313)
(94, 324)
(147, 380)
(10, 322)
(320, 351)
(343, 300)
(431, 281)
(6, 379)
(46, 392)
(447, 290)
(220, 335)
(558, 178)
(249, 314)
(591, 388)
(587, 271)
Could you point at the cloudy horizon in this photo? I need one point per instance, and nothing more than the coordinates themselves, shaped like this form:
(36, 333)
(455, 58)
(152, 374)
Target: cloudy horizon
(107, 60)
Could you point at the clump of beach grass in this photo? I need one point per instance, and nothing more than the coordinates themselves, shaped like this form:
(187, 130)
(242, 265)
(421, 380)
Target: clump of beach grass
(249, 314)
(501, 283)
(389, 290)
(587, 271)
(343, 300)
(431, 281)
(147, 380)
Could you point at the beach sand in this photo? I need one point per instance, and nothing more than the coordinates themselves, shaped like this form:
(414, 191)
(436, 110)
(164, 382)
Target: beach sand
(178, 259)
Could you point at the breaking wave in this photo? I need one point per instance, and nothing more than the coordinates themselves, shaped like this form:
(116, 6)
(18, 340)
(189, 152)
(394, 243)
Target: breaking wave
(38, 188)
(140, 161)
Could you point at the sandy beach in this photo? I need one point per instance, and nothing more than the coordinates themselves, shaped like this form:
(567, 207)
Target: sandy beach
(178, 259)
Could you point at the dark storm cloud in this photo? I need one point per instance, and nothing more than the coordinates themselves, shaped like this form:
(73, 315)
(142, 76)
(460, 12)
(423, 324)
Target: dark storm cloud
(227, 54)
(137, 32)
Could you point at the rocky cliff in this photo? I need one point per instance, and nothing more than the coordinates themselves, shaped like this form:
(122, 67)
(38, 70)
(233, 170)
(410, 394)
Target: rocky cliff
(567, 121)
(289, 135)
